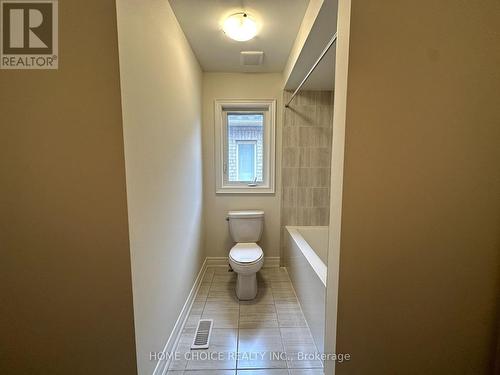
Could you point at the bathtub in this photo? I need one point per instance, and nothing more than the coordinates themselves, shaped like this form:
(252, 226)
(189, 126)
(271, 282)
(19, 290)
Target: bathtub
(305, 258)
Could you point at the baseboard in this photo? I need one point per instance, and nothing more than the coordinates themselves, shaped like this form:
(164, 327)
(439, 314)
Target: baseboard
(271, 262)
(217, 261)
(162, 365)
(224, 261)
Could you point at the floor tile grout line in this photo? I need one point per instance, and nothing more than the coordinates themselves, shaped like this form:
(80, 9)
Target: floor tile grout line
(279, 330)
(238, 334)
(206, 298)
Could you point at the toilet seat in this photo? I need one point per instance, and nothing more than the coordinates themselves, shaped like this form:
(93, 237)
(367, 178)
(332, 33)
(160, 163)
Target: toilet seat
(246, 253)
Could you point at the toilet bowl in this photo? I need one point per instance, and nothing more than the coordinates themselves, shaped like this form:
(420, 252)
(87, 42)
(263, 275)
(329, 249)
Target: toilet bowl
(246, 257)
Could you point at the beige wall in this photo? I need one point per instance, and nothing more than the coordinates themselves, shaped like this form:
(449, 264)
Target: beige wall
(420, 240)
(64, 253)
(337, 175)
(238, 86)
(161, 96)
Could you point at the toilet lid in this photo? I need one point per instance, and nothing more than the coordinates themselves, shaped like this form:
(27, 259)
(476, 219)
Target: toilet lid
(246, 252)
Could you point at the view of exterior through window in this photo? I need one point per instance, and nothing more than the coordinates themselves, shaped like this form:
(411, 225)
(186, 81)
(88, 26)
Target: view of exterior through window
(245, 146)
(245, 132)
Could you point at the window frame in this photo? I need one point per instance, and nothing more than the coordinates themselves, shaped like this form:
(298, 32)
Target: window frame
(222, 108)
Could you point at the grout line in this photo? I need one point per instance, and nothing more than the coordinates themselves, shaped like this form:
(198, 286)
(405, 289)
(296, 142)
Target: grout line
(279, 330)
(238, 333)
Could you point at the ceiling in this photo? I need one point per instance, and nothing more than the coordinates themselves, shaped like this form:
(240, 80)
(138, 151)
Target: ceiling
(279, 22)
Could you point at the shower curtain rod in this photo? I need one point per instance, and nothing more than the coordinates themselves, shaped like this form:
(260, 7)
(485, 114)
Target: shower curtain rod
(330, 43)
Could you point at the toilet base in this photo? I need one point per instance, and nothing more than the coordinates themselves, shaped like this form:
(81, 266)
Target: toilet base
(246, 286)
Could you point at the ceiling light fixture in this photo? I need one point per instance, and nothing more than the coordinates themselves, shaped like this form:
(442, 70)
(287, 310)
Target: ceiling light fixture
(240, 27)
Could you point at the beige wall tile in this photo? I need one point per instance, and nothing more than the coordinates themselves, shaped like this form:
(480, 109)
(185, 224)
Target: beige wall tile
(319, 157)
(307, 140)
(289, 197)
(306, 98)
(304, 116)
(324, 98)
(314, 137)
(304, 157)
(320, 197)
(290, 157)
(324, 116)
(290, 136)
(290, 177)
(289, 216)
(304, 197)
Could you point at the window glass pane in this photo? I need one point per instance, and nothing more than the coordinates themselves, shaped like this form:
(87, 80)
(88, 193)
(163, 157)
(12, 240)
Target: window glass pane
(245, 148)
(246, 161)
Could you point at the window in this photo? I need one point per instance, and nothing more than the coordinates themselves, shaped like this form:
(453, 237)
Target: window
(245, 146)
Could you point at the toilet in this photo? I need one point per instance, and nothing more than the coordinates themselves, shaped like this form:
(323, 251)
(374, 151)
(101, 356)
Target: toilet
(246, 257)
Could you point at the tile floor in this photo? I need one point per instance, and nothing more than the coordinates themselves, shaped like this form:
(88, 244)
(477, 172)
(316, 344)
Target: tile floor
(269, 333)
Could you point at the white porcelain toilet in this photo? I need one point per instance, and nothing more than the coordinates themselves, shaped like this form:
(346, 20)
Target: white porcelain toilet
(246, 257)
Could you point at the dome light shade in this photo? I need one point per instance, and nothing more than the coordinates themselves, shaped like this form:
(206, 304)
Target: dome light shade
(240, 27)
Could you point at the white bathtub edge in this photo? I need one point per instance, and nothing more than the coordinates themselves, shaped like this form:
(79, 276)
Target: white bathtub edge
(314, 260)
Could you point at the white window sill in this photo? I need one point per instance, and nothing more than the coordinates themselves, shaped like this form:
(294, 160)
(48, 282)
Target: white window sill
(245, 190)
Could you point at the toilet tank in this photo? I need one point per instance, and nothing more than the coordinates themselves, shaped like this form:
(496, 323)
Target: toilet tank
(246, 226)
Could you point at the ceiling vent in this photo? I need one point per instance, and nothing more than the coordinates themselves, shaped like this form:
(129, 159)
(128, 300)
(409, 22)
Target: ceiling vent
(251, 58)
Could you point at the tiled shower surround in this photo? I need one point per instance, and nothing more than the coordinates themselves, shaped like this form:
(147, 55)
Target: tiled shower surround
(307, 142)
